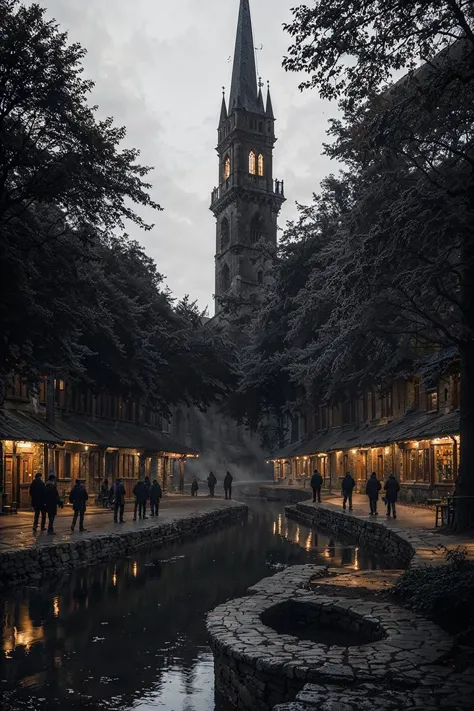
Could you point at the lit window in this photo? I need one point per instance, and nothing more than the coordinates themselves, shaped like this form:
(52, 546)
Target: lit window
(432, 402)
(252, 163)
(227, 168)
(260, 164)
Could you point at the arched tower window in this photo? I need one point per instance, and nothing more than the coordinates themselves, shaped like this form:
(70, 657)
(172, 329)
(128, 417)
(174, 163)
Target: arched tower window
(227, 168)
(225, 233)
(225, 278)
(260, 277)
(260, 164)
(252, 163)
(257, 228)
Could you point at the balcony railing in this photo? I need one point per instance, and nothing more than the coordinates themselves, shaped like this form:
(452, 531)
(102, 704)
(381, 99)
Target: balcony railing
(277, 187)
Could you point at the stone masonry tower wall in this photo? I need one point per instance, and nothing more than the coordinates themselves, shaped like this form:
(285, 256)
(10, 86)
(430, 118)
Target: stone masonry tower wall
(247, 200)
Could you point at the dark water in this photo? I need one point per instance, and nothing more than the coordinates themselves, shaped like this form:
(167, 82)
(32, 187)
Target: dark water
(132, 635)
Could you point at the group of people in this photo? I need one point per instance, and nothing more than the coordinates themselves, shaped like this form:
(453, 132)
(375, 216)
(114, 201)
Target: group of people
(144, 491)
(372, 490)
(212, 483)
(45, 501)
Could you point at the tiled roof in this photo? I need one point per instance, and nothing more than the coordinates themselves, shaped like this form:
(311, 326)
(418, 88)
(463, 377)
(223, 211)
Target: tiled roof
(417, 425)
(22, 426)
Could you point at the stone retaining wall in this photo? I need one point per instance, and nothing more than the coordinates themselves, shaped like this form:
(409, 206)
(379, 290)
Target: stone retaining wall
(23, 567)
(289, 495)
(374, 536)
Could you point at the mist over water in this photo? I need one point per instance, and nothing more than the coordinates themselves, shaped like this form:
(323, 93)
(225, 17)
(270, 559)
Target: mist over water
(131, 635)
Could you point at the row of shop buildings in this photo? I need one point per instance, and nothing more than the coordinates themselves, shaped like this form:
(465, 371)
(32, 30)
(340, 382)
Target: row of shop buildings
(409, 428)
(66, 430)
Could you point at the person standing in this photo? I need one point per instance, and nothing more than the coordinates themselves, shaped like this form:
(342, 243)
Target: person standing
(392, 487)
(147, 484)
(228, 479)
(104, 493)
(119, 501)
(211, 482)
(372, 489)
(78, 498)
(316, 484)
(155, 496)
(194, 487)
(140, 494)
(348, 485)
(37, 501)
(51, 502)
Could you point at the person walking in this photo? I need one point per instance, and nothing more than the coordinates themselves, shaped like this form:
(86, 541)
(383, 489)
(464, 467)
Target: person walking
(211, 482)
(228, 479)
(140, 493)
(37, 501)
(194, 487)
(316, 484)
(104, 493)
(119, 501)
(155, 496)
(147, 484)
(78, 498)
(392, 487)
(51, 502)
(372, 489)
(348, 485)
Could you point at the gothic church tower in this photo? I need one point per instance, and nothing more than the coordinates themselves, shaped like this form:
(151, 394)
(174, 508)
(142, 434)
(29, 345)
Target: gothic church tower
(247, 202)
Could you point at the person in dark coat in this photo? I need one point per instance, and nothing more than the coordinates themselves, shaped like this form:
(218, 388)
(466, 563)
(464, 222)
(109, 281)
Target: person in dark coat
(155, 496)
(78, 498)
(140, 493)
(316, 484)
(348, 485)
(104, 493)
(372, 489)
(211, 482)
(228, 479)
(119, 501)
(51, 502)
(392, 487)
(194, 487)
(37, 501)
(147, 484)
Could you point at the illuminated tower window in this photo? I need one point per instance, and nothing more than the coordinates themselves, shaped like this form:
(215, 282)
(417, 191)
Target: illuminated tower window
(260, 164)
(227, 168)
(252, 163)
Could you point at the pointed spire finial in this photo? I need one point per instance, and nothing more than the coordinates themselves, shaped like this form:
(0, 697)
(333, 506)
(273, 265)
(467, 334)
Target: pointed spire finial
(244, 91)
(269, 109)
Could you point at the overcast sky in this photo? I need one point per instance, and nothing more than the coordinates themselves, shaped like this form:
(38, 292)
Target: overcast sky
(159, 66)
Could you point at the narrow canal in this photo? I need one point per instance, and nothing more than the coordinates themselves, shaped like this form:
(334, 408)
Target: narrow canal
(132, 635)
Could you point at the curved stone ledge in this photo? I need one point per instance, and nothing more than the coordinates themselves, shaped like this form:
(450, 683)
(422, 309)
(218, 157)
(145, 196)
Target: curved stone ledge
(289, 495)
(22, 567)
(256, 668)
(401, 544)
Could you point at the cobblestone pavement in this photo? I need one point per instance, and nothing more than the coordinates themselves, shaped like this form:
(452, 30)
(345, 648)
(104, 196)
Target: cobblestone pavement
(398, 662)
(415, 524)
(16, 530)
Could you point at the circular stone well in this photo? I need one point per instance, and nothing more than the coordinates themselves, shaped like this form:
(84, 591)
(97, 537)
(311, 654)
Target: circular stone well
(257, 667)
(322, 624)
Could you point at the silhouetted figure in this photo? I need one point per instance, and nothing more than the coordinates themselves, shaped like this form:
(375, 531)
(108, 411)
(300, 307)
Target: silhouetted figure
(51, 502)
(155, 496)
(211, 482)
(104, 494)
(348, 485)
(78, 498)
(316, 484)
(140, 493)
(372, 490)
(392, 487)
(119, 502)
(228, 479)
(194, 487)
(37, 501)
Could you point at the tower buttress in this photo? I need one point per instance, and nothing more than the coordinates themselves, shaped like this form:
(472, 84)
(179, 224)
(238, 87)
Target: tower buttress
(247, 201)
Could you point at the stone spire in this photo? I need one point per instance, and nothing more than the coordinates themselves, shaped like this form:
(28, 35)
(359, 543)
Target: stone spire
(243, 92)
(269, 109)
(223, 116)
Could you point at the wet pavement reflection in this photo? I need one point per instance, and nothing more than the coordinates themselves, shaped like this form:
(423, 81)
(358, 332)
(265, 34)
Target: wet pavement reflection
(132, 634)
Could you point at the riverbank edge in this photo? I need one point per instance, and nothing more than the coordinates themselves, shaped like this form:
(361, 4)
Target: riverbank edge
(404, 545)
(32, 565)
(285, 494)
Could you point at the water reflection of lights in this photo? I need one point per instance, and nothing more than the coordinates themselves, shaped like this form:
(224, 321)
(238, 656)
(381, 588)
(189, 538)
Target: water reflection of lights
(24, 637)
(135, 569)
(56, 606)
(326, 553)
(297, 535)
(114, 577)
(279, 524)
(356, 559)
(309, 541)
(274, 528)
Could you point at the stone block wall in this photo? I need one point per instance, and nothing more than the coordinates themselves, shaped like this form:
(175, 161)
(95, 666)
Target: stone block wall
(32, 565)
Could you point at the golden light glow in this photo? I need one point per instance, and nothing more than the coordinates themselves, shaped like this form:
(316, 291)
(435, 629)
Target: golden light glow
(260, 165)
(354, 451)
(274, 528)
(387, 450)
(114, 577)
(297, 535)
(135, 569)
(24, 445)
(227, 168)
(56, 606)
(279, 524)
(252, 163)
(356, 559)
(309, 541)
